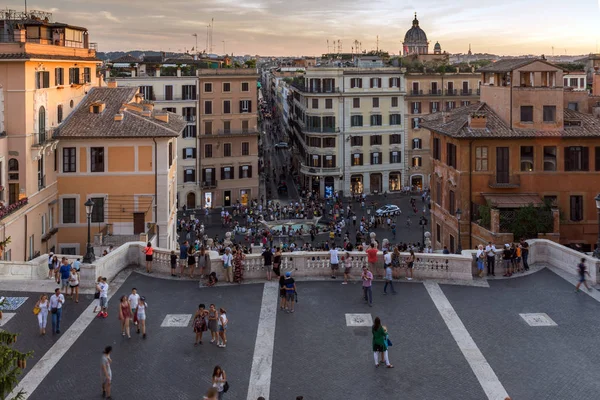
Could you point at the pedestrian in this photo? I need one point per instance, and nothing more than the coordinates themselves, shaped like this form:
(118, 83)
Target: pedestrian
(125, 316)
(148, 251)
(213, 325)
(506, 258)
(372, 257)
(74, 284)
(183, 258)
(102, 287)
(334, 261)
(51, 265)
(219, 381)
(97, 295)
(191, 260)
(480, 256)
(490, 253)
(380, 343)
(140, 315)
(445, 251)
(211, 394)
(173, 263)
(42, 307)
(410, 263)
(282, 302)
(525, 253)
(200, 325)
(228, 265)
(277, 261)
(133, 299)
(267, 256)
(290, 290)
(367, 280)
(106, 372)
(346, 266)
(203, 261)
(582, 270)
(388, 275)
(238, 263)
(222, 321)
(65, 273)
(56, 302)
(518, 257)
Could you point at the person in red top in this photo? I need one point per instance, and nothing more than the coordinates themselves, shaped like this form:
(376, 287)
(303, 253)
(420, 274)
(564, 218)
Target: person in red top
(148, 251)
(372, 257)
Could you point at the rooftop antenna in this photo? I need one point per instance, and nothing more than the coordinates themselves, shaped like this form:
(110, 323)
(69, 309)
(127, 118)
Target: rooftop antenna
(25, 7)
(327, 46)
(207, 28)
(223, 46)
(339, 46)
(377, 47)
(212, 26)
(196, 36)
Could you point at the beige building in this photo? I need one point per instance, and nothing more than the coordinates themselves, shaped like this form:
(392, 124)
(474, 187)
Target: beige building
(428, 93)
(46, 69)
(121, 152)
(228, 171)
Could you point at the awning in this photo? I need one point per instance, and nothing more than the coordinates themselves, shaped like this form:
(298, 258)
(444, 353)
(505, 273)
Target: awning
(516, 200)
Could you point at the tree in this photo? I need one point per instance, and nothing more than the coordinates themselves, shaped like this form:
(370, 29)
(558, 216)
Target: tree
(12, 364)
(250, 63)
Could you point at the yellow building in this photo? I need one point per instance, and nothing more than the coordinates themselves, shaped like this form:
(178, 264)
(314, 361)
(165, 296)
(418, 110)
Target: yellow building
(45, 70)
(118, 151)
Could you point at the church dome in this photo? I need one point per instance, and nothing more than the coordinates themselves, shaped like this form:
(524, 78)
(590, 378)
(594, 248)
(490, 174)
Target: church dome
(415, 33)
(437, 46)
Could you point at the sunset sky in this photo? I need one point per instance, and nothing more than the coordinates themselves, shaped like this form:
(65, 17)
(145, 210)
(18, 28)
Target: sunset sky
(302, 27)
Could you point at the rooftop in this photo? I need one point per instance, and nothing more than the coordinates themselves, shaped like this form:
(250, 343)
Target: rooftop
(508, 65)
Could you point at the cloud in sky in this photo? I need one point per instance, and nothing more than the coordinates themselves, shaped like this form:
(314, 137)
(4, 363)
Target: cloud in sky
(302, 27)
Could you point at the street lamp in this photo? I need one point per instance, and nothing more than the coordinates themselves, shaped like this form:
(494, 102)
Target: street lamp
(423, 223)
(597, 251)
(459, 247)
(89, 255)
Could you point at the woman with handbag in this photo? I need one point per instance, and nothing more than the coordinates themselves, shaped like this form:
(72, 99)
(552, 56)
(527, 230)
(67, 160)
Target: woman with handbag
(41, 310)
(380, 343)
(219, 381)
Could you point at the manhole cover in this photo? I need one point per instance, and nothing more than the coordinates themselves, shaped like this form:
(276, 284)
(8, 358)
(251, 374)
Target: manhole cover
(359, 320)
(176, 320)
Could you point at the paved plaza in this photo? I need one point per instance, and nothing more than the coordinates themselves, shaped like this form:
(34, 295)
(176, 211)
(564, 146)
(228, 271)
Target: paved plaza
(450, 341)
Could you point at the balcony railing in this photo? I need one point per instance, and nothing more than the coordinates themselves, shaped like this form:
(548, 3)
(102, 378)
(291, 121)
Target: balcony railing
(467, 92)
(318, 171)
(452, 92)
(5, 211)
(416, 92)
(324, 129)
(321, 90)
(504, 181)
(161, 97)
(236, 132)
(41, 138)
(209, 184)
(437, 92)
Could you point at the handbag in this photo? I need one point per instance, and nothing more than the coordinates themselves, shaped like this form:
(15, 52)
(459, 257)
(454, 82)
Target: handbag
(225, 387)
(54, 310)
(36, 310)
(97, 295)
(389, 342)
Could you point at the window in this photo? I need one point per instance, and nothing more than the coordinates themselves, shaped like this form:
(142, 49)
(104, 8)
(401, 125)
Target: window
(74, 79)
(328, 124)
(189, 132)
(245, 106)
(170, 109)
(69, 159)
(245, 124)
(438, 191)
(188, 92)
(87, 75)
(415, 107)
(356, 141)
(417, 144)
(481, 158)
(376, 120)
(226, 126)
(376, 158)
(43, 224)
(98, 210)
(245, 87)
(40, 171)
(356, 120)
(434, 106)
(208, 107)
(573, 106)
(97, 159)
(170, 153)
(59, 113)
(68, 211)
(13, 169)
(329, 104)
(450, 105)
(376, 140)
(394, 101)
(549, 158)
(189, 114)
(417, 161)
(355, 83)
(314, 160)
(314, 142)
(395, 157)
(356, 102)
(576, 206)
(227, 173)
(42, 80)
(315, 103)
(227, 150)
(189, 152)
(394, 82)
(526, 158)
(375, 83)
(576, 158)
(357, 159)
(208, 151)
(42, 124)
(226, 87)
(208, 127)
(245, 148)
(189, 175)
(438, 233)
(329, 161)
(208, 176)
(451, 202)
(328, 142)
(415, 123)
(437, 149)
(395, 139)
(451, 155)
(245, 171)
(207, 87)
(375, 102)
(59, 76)
(526, 113)
(597, 160)
(227, 107)
(549, 113)
(168, 92)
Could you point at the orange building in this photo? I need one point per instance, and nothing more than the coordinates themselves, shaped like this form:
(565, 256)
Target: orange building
(519, 146)
(118, 151)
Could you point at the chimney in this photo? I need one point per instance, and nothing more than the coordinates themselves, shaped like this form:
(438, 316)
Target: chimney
(112, 83)
(596, 82)
(118, 117)
(146, 113)
(148, 106)
(164, 117)
(477, 121)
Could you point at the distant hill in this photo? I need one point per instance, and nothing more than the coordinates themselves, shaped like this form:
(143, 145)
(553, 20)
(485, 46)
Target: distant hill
(112, 55)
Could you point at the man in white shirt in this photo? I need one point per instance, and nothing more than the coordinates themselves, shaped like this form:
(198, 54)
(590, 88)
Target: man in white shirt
(334, 260)
(228, 265)
(56, 303)
(103, 289)
(490, 252)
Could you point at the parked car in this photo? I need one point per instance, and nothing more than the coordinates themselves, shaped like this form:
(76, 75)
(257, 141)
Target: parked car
(281, 145)
(388, 209)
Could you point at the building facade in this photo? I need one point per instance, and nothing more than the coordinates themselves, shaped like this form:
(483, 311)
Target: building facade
(45, 70)
(228, 171)
(429, 93)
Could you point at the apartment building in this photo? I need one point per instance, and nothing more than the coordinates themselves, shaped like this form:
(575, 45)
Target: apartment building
(428, 93)
(521, 145)
(348, 127)
(229, 135)
(173, 86)
(46, 68)
(121, 152)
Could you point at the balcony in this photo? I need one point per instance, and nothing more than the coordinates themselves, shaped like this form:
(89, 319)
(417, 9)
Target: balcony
(437, 92)
(504, 181)
(319, 171)
(160, 97)
(470, 92)
(416, 93)
(6, 211)
(316, 90)
(209, 184)
(451, 92)
(236, 132)
(324, 129)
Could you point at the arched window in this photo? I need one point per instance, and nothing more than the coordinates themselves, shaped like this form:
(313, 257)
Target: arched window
(13, 169)
(42, 125)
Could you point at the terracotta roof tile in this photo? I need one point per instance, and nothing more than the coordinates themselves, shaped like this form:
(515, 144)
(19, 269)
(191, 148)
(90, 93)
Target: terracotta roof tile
(508, 65)
(29, 56)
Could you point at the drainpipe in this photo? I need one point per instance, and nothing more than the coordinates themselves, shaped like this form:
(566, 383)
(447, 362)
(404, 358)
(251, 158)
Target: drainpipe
(470, 194)
(25, 240)
(156, 192)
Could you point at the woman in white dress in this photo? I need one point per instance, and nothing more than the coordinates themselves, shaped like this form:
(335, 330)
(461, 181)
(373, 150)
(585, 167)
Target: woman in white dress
(43, 304)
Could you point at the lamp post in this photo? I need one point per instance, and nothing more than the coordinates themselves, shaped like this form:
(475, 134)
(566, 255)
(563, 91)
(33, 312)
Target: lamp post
(89, 255)
(459, 247)
(597, 251)
(423, 223)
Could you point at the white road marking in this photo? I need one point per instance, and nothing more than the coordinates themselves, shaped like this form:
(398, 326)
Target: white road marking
(42, 368)
(6, 316)
(262, 363)
(538, 319)
(481, 368)
(176, 320)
